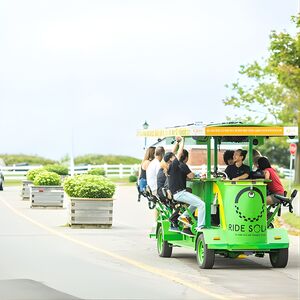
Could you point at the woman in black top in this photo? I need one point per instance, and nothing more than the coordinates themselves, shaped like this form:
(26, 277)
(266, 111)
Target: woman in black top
(238, 170)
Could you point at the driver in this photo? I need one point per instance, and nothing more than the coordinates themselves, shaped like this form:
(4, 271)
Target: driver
(238, 170)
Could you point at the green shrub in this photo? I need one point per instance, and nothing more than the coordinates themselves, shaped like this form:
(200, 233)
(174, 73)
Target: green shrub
(47, 178)
(58, 169)
(89, 186)
(132, 178)
(97, 171)
(31, 174)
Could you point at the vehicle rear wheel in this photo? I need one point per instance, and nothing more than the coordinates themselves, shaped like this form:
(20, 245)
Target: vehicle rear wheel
(205, 256)
(279, 258)
(164, 249)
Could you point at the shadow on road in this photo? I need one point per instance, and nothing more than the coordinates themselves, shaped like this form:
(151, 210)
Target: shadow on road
(24, 289)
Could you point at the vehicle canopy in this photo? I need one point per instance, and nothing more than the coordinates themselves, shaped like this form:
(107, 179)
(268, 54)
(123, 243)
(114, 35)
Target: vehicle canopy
(213, 135)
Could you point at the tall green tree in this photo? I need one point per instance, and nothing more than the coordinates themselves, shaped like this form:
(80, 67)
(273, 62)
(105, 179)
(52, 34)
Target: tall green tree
(271, 89)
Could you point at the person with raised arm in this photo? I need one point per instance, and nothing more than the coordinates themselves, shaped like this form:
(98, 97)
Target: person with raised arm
(178, 173)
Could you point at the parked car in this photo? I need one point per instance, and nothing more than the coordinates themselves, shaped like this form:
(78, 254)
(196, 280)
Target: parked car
(1, 181)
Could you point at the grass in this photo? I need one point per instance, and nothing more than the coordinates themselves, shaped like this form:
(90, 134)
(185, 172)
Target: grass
(123, 181)
(286, 185)
(292, 219)
(12, 183)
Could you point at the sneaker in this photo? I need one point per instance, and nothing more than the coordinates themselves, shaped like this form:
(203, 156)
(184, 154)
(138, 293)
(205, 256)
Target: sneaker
(187, 231)
(184, 220)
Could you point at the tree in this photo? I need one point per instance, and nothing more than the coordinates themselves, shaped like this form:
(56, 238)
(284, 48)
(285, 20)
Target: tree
(272, 89)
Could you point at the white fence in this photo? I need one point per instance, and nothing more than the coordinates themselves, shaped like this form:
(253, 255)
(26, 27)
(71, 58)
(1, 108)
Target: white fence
(120, 171)
(287, 173)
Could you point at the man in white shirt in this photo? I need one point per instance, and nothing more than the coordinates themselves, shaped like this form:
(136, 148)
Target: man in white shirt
(153, 168)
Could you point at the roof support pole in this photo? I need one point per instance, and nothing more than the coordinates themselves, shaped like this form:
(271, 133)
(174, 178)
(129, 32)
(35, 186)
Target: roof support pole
(250, 155)
(216, 154)
(208, 157)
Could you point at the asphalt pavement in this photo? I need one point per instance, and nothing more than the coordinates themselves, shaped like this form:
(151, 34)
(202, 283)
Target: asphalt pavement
(42, 258)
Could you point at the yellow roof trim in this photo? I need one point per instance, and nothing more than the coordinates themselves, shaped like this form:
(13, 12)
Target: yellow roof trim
(182, 131)
(220, 131)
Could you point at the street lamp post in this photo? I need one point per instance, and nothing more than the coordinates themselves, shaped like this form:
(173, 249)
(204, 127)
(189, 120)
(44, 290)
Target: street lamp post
(145, 126)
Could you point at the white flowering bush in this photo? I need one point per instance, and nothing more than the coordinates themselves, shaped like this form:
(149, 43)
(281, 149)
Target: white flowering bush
(47, 178)
(89, 186)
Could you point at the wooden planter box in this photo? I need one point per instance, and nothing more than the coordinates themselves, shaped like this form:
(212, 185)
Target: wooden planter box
(46, 196)
(26, 189)
(89, 212)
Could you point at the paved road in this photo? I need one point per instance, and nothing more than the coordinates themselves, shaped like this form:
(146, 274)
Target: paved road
(41, 258)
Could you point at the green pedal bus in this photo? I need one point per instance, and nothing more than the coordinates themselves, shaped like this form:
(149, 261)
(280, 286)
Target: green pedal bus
(238, 220)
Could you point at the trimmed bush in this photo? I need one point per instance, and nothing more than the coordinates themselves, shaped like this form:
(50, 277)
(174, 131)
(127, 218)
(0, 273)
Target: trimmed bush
(47, 178)
(89, 186)
(97, 171)
(31, 174)
(58, 169)
(132, 178)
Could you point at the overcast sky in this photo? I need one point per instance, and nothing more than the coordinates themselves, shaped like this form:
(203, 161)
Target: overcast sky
(104, 67)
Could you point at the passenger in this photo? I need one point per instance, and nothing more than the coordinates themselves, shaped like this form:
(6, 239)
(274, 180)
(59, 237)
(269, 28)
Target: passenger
(153, 168)
(162, 180)
(257, 173)
(238, 170)
(228, 157)
(275, 186)
(149, 156)
(178, 173)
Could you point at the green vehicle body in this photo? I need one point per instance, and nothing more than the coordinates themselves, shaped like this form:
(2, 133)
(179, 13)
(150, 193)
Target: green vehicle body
(236, 211)
(243, 219)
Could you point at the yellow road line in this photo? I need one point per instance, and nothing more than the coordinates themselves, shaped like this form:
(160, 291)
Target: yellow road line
(127, 260)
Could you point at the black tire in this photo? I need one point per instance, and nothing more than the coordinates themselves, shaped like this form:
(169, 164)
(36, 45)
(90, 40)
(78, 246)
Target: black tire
(205, 256)
(1, 186)
(164, 249)
(279, 258)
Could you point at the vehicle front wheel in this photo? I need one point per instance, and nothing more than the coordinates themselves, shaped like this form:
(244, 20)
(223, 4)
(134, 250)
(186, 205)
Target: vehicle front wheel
(205, 256)
(279, 258)
(164, 249)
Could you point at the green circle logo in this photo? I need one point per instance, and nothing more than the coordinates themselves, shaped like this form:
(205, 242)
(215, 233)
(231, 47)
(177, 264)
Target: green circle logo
(257, 204)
